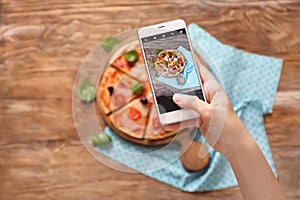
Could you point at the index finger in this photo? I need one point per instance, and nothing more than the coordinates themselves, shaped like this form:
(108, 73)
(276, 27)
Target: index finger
(205, 74)
(209, 81)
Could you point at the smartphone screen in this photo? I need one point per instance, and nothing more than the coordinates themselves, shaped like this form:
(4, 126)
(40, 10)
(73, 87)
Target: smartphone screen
(171, 67)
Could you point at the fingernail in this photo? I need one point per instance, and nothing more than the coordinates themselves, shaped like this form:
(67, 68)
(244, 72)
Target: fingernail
(176, 98)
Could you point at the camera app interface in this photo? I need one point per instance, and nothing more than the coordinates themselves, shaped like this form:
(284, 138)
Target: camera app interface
(172, 68)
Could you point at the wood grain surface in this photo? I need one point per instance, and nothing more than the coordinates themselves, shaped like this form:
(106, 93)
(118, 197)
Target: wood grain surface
(42, 45)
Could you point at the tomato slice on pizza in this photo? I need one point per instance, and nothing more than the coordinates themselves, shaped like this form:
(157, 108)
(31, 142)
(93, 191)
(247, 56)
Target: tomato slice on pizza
(131, 119)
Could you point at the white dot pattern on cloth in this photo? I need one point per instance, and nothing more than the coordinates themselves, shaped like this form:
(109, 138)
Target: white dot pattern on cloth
(250, 80)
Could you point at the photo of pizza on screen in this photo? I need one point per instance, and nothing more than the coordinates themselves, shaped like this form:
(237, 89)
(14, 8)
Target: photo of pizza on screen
(171, 67)
(169, 63)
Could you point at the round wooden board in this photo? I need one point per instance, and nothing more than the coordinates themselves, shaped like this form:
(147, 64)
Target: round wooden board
(128, 39)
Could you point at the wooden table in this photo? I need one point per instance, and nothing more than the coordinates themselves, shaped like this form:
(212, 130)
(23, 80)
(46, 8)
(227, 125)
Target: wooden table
(43, 44)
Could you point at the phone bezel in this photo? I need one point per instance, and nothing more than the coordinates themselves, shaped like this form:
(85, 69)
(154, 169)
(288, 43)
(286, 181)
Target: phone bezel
(185, 114)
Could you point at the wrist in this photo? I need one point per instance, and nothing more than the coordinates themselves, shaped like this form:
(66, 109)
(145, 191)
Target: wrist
(235, 136)
(244, 144)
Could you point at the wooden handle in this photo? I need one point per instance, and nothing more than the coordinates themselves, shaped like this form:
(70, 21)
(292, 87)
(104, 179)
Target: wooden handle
(194, 154)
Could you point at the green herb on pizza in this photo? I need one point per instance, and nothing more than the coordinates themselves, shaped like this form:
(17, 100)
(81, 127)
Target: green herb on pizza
(131, 56)
(137, 88)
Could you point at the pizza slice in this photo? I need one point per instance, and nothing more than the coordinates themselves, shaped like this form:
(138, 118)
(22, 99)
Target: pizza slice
(180, 63)
(162, 69)
(121, 62)
(154, 129)
(108, 81)
(139, 72)
(173, 72)
(123, 92)
(131, 119)
(116, 90)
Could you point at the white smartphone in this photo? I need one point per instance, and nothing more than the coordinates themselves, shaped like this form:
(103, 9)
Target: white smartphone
(171, 68)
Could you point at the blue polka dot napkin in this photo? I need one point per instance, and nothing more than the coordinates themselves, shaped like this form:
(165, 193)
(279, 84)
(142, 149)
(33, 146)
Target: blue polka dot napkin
(250, 81)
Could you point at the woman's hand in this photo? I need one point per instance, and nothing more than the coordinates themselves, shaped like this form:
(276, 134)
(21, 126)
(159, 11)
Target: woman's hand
(225, 132)
(218, 122)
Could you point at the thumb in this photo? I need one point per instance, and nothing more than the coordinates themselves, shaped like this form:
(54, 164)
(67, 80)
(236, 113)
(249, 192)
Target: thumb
(192, 102)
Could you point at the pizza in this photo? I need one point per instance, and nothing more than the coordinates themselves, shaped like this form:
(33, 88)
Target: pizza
(122, 98)
(169, 63)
